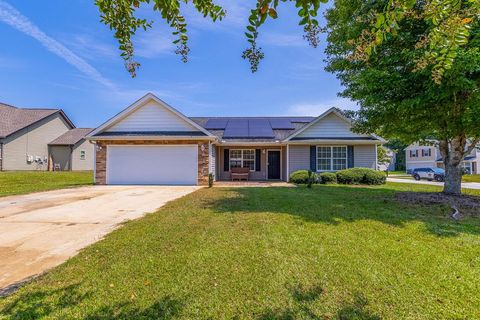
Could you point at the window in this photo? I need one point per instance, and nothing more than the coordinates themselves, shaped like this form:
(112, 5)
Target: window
(413, 153)
(331, 158)
(242, 158)
(82, 155)
(426, 152)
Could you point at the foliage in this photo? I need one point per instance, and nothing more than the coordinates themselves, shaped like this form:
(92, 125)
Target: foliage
(451, 21)
(299, 177)
(328, 178)
(210, 180)
(382, 155)
(312, 178)
(120, 16)
(361, 176)
(303, 254)
(22, 182)
(398, 147)
(409, 106)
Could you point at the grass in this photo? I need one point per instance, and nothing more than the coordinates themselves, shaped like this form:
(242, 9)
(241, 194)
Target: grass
(22, 182)
(471, 178)
(330, 252)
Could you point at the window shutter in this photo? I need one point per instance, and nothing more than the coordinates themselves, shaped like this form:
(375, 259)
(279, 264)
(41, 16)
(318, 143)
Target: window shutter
(313, 158)
(226, 159)
(351, 157)
(258, 156)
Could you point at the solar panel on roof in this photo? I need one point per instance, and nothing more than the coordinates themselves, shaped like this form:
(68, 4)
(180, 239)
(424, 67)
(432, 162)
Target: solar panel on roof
(281, 124)
(216, 124)
(236, 128)
(260, 128)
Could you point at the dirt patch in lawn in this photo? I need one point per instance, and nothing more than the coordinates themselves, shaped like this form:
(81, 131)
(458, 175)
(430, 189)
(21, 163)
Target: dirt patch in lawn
(467, 205)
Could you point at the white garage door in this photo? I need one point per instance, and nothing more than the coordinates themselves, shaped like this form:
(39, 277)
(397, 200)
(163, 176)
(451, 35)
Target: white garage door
(166, 164)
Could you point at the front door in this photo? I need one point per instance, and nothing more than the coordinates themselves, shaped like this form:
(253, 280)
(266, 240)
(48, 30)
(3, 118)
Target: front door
(273, 165)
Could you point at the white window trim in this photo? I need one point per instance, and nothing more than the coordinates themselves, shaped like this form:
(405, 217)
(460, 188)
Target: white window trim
(241, 160)
(331, 157)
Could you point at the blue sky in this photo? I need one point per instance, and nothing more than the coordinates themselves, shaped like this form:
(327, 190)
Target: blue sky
(60, 55)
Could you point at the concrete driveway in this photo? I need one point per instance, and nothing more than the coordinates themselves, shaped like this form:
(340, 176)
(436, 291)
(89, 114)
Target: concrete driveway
(41, 230)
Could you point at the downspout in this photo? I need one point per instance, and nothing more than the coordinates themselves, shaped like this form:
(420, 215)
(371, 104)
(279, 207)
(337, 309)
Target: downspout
(1, 156)
(288, 163)
(94, 161)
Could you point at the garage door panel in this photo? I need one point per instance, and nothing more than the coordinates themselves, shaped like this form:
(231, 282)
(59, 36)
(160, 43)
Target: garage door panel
(168, 165)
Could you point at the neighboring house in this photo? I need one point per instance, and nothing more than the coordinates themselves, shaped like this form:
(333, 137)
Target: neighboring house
(71, 151)
(25, 134)
(152, 143)
(422, 156)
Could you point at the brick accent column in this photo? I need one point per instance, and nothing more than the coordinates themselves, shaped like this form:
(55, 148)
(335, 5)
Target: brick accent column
(100, 163)
(203, 163)
(101, 156)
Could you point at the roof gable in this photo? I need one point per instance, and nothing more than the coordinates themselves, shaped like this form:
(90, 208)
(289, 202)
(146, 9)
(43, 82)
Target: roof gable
(329, 125)
(13, 119)
(149, 114)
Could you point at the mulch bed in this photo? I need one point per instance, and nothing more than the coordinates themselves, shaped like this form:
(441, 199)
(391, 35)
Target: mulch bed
(467, 205)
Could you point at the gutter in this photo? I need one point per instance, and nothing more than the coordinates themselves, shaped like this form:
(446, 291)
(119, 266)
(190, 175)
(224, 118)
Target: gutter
(133, 138)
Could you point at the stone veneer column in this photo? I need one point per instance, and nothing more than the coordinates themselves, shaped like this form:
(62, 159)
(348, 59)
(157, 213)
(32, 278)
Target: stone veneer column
(100, 163)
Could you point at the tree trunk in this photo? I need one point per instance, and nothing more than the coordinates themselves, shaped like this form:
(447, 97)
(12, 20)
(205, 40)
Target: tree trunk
(453, 154)
(453, 179)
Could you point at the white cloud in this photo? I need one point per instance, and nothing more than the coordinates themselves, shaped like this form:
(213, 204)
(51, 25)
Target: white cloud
(153, 42)
(317, 108)
(15, 19)
(90, 48)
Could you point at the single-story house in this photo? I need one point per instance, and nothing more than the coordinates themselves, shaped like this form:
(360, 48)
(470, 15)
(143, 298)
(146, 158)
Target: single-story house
(427, 156)
(152, 143)
(71, 151)
(26, 134)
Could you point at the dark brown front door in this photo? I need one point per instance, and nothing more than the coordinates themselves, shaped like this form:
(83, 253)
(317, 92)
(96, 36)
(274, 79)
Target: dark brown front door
(273, 164)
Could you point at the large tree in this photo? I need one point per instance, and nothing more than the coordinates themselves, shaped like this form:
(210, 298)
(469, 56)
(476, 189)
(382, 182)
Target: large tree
(397, 96)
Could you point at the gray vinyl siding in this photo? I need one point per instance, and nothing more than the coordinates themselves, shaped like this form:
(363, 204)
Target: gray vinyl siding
(365, 156)
(299, 158)
(32, 141)
(77, 163)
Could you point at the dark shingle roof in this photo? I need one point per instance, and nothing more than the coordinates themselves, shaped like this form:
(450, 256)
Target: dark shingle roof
(71, 137)
(13, 119)
(279, 134)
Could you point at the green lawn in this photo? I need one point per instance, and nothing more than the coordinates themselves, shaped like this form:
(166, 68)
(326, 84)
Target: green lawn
(471, 178)
(331, 252)
(21, 182)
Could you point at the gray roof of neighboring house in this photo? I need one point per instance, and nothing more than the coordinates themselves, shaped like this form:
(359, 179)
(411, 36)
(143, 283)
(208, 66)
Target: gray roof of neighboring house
(71, 137)
(279, 134)
(13, 119)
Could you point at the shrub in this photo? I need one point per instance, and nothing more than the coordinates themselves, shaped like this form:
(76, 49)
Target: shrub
(328, 178)
(374, 177)
(299, 177)
(210, 180)
(360, 176)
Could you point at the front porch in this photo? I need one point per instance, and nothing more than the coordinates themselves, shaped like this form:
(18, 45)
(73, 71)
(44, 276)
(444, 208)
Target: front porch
(266, 163)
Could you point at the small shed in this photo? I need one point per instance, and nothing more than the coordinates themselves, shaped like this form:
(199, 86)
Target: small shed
(71, 151)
